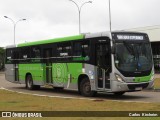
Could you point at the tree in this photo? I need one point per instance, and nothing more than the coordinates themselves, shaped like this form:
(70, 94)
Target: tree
(2, 54)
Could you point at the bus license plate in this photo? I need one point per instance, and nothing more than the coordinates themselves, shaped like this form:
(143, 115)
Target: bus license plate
(138, 88)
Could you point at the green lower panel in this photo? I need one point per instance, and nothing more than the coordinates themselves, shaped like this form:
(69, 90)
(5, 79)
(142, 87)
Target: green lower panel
(35, 69)
(61, 71)
(143, 79)
(75, 69)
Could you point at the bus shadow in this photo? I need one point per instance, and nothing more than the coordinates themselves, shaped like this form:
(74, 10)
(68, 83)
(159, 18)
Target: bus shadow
(123, 97)
(71, 93)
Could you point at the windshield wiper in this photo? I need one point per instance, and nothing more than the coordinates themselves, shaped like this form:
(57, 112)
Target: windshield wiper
(129, 48)
(133, 51)
(137, 54)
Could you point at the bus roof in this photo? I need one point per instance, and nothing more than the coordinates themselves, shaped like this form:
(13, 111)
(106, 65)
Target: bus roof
(70, 38)
(77, 37)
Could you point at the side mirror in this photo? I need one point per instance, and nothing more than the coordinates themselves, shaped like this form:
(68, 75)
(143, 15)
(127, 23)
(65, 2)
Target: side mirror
(113, 49)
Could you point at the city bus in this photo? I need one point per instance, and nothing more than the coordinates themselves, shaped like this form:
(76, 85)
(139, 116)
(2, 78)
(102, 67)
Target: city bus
(106, 62)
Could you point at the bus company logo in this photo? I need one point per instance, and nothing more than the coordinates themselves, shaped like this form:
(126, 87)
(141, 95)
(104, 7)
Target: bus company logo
(137, 80)
(6, 114)
(59, 72)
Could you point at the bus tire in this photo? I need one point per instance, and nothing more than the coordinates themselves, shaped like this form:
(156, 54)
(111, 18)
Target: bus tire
(58, 88)
(29, 83)
(119, 93)
(85, 88)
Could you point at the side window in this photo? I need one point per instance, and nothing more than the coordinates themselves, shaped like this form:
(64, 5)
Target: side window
(77, 49)
(35, 54)
(25, 54)
(67, 49)
(85, 49)
(81, 49)
(59, 50)
(12, 56)
(15, 56)
(64, 49)
(9, 56)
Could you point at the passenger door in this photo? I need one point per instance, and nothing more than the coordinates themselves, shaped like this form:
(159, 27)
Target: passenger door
(48, 64)
(103, 63)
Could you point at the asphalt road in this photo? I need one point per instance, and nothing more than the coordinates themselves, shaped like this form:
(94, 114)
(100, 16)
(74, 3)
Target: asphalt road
(143, 96)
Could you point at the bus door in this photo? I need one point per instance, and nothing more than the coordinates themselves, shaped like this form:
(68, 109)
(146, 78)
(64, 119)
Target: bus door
(103, 62)
(16, 72)
(48, 64)
(15, 66)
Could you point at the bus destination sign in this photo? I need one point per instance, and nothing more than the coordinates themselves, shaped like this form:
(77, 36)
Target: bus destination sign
(130, 37)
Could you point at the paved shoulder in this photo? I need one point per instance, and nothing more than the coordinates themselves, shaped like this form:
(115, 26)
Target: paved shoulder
(143, 96)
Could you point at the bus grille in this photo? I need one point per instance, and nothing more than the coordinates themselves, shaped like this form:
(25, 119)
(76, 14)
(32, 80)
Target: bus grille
(134, 86)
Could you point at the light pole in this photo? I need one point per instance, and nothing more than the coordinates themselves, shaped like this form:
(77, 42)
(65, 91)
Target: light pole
(79, 11)
(110, 20)
(14, 23)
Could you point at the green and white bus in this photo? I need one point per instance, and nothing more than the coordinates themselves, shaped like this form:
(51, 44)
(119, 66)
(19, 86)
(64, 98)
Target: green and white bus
(116, 62)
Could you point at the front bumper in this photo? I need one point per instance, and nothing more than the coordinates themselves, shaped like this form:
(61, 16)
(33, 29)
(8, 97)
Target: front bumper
(128, 87)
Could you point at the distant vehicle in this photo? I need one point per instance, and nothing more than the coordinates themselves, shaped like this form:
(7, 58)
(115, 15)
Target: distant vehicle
(2, 53)
(116, 62)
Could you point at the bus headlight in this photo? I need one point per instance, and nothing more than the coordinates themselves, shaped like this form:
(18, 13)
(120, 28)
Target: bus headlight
(119, 78)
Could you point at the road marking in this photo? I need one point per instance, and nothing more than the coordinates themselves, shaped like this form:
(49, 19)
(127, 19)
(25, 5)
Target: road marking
(46, 95)
(1, 88)
(72, 97)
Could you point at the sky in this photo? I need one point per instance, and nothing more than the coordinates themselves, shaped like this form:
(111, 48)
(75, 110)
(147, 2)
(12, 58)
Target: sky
(47, 19)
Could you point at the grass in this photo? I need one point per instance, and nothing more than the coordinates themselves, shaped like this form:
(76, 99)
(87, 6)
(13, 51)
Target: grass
(157, 83)
(12, 101)
(15, 101)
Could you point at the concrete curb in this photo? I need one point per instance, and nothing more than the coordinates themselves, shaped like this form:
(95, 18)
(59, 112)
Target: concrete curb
(152, 90)
(157, 90)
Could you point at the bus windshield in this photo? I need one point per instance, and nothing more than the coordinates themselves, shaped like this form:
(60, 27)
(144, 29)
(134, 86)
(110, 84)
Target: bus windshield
(133, 57)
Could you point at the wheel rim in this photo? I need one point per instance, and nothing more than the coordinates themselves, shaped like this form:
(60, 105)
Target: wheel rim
(29, 82)
(87, 88)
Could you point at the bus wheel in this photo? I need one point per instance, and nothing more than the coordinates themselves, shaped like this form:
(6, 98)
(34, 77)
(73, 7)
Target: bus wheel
(29, 83)
(85, 88)
(119, 93)
(58, 88)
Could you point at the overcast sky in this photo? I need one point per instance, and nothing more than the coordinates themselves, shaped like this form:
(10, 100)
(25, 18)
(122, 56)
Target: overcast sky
(48, 19)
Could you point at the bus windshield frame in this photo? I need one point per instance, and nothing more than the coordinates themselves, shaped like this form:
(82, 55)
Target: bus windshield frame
(133, 56)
